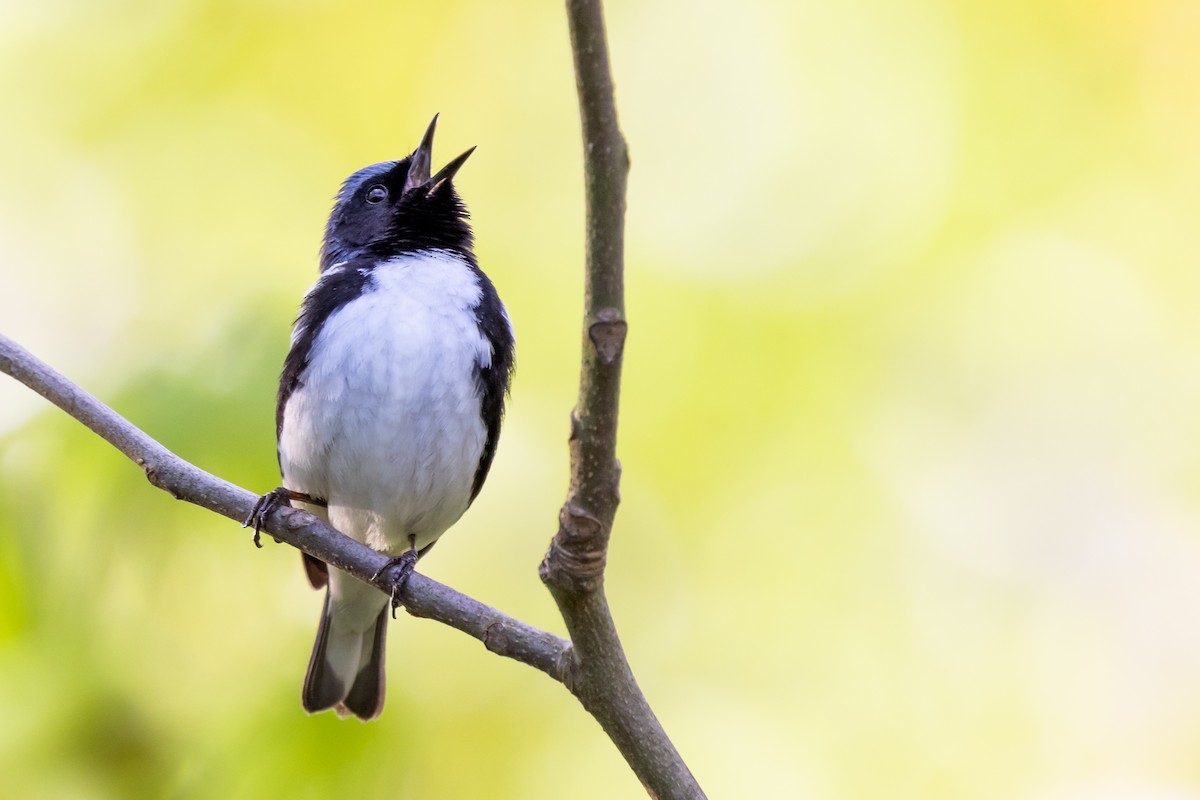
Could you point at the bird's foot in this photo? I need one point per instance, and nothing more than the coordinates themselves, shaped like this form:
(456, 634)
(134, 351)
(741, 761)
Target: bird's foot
(268, 503)
(404, 564)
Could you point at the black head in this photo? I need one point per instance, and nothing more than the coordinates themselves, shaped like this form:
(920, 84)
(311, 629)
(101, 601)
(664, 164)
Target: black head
(397, 207)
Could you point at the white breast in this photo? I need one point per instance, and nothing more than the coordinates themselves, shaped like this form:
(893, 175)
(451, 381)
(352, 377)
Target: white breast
(385, 423)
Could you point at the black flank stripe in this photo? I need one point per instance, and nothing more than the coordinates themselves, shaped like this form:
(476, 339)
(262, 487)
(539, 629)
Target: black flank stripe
(493, 380)
(335, 288)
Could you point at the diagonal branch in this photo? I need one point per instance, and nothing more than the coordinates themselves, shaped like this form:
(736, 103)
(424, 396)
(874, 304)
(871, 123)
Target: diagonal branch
(422, 596)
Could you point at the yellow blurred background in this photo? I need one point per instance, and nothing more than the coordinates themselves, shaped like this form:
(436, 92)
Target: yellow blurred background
(910, 428)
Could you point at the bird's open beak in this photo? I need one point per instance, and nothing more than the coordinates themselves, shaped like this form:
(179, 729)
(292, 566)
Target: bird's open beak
(422, 157)
(447, 172)
(418, 166)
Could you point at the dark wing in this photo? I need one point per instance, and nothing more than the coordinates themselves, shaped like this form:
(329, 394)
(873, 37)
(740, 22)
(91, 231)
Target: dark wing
(336, 287)
(493, 379)
(316, 570)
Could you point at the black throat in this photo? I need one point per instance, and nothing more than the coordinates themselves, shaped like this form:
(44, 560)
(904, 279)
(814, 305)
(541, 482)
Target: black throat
(427, 219)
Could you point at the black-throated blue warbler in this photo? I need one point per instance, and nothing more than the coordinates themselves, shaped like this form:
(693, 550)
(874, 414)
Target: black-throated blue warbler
(390, 400)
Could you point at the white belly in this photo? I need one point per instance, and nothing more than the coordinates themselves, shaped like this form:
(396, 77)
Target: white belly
(385, 424)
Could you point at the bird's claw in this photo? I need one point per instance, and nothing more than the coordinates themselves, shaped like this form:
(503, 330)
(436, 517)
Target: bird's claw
(404, 564)
(263, 508)
(273, 500)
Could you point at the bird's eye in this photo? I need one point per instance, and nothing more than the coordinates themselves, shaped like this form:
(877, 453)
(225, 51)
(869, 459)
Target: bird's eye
(376, 194)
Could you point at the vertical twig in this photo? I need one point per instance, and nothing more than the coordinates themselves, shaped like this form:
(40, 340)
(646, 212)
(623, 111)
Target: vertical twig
(573, 569)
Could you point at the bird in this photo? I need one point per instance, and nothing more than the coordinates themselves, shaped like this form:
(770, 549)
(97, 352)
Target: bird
(390, 401)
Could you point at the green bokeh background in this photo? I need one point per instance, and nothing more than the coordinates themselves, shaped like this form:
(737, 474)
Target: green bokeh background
(910, 428)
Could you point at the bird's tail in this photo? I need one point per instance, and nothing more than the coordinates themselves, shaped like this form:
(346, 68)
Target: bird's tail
(345, 671)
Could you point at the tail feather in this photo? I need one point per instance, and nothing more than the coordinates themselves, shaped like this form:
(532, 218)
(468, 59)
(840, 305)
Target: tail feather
(365, 698)
(346, 670)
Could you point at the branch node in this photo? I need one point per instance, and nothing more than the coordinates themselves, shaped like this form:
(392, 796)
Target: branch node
(295, 518)
(608, 334)
(566, 666)
(158, 481)
(577, 525)
(578, 552)
(496, 638)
